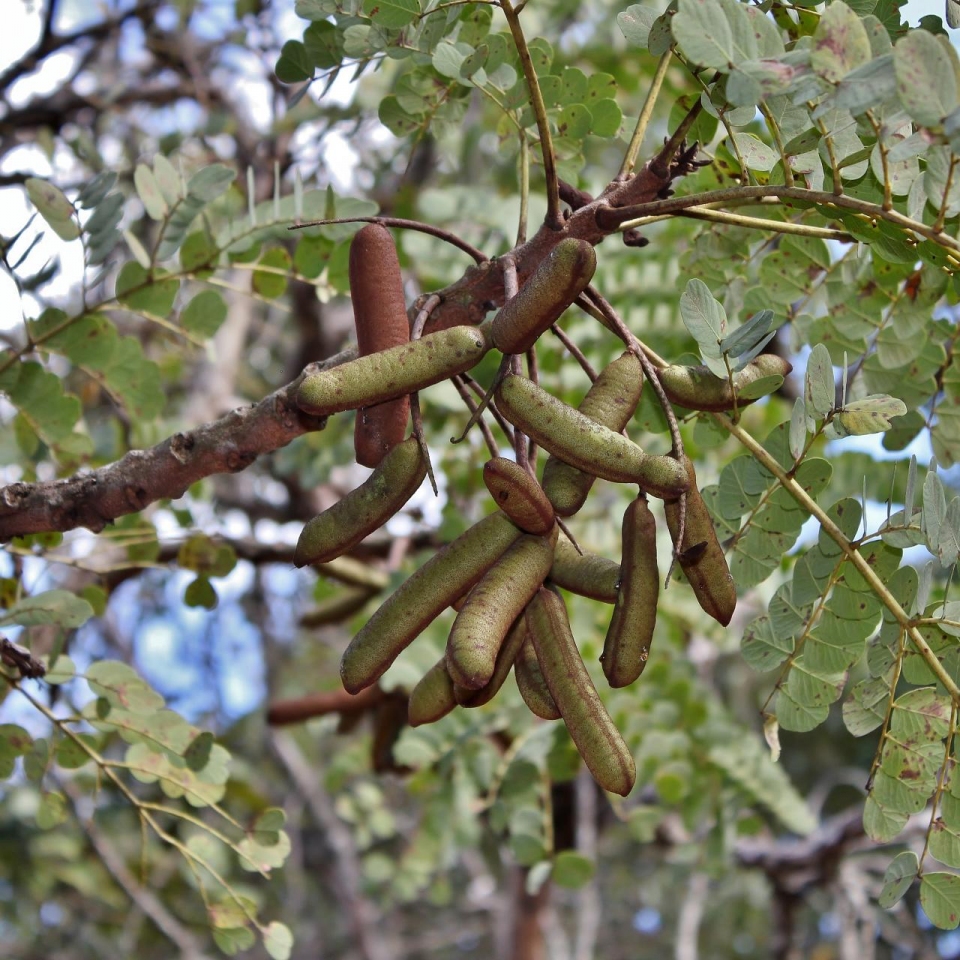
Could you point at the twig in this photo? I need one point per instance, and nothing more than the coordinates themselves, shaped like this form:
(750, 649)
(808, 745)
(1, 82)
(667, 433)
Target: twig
(643, 121)
(478, 255)
(166, 471)
(146, 900)
(553, 219)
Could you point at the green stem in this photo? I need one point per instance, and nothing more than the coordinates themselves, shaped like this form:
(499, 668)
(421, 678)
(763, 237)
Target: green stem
(643, 121)
(553, 218)
(612, 217)
(877, 585)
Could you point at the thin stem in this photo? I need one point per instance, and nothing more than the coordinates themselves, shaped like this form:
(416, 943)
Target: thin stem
(574, 352)
(740, 220)
(478, 255)
(643, 121)
(553, 219)
(524, 188)
(610, 218)
(481, 423)
(774, 129)
(661, 163)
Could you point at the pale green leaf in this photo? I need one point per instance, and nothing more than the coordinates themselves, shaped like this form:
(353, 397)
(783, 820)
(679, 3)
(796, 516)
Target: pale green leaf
(940, 899)
(901, 872)
(61, 607)
(926, 80)
(278, 940)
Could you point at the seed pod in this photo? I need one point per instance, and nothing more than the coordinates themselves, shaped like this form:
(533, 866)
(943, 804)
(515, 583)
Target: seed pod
(402, 617)
(584, 443)
(696, 388)
(393, 373)
(432, 698)
(700, 555)
(627, 643)
(611, 401)
(505, 659)
(559, 279)
(598, 740)
(519, 495)
(533, 688)
(491, 608)
(365, 509)
(380, 317)
(588, 574)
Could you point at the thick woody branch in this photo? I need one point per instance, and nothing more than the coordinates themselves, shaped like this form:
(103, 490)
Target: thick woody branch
(163, 472)
(235, 441)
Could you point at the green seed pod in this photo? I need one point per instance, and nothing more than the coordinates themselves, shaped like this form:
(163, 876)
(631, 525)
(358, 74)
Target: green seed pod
(701, 556)
(432, 698)
(491, 608)
(505, 659)
(598, 740)
(611, 401)
(393, 373)
(559, 279)
(519, 495)
(696, 388)
(380, 316)
(363, 510)
(584, 443)
(533, 688)
(402, 617)
(586, 574)
(627, 643)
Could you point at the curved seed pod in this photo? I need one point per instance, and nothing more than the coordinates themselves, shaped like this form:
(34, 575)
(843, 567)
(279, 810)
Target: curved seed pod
(432, 698)
(598, 740)
(584, 443)
(611, 401)
(491, 608)
(401, 618)
(588, 574)
(393, 373)
(518, 495)
(533, 688)
(380, 316)
(696, 388)
(365, 509)
(505, 659)
(701, 556)
(627, 643)
(559, 279)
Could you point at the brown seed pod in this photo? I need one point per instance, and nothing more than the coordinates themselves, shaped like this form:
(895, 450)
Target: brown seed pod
(432, 698)
(380, 316)
(505, 660)
(519, 495)
(586, 574)
(611, 401)
(402, 617)
(533, 688)
(559, 279)
(701, 556)
(627, 643)
(584, 443)
(696, 388)
(360, 512)
(491, 608)
(598, 741)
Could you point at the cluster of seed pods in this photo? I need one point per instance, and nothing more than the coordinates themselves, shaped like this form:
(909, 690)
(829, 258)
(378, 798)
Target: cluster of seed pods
(502, 575)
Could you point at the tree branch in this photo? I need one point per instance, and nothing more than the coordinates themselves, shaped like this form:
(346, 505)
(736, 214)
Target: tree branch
(234, 442)
(165, 471)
